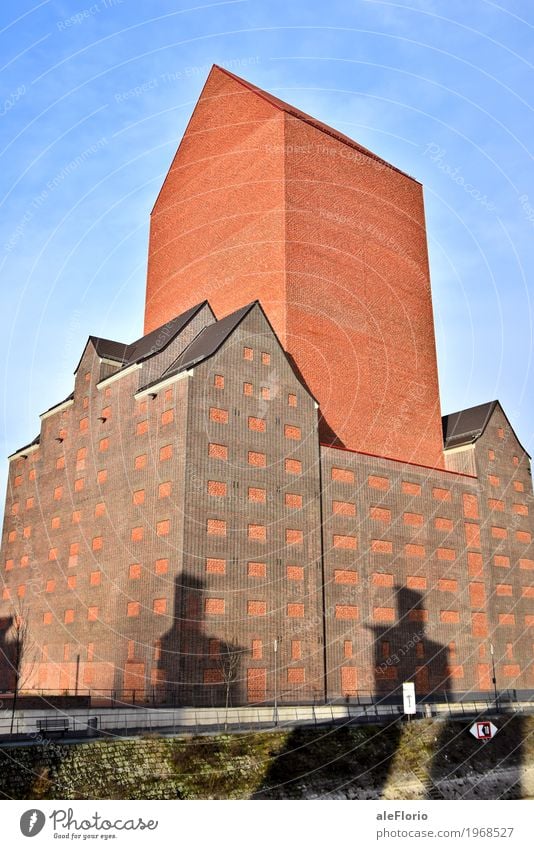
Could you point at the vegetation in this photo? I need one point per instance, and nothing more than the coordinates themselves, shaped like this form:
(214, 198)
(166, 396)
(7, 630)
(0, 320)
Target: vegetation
(402, 760)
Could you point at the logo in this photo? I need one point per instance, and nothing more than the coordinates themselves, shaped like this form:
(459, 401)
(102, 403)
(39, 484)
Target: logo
(32, 822)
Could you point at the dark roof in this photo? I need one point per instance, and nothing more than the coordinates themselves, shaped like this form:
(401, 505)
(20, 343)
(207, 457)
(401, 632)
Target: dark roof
(146, 346)
(108, 349)
(206, 343)
(35, 441)
(212, 337)
(467, 425)
(158, 339)
(59, 403)
(309, 119)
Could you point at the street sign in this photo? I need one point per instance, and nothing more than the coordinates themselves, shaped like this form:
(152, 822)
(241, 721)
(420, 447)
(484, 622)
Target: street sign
(483, 730)
(408, 697)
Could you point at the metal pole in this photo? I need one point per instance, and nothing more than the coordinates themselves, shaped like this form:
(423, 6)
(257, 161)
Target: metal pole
(494, 676)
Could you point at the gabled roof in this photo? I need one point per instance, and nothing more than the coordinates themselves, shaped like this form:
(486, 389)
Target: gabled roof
(205, 344)
(467, 426)
(146, 346)
(308, 119)
(69, 397)
(208, 341)
(31, 444)
(157, 340)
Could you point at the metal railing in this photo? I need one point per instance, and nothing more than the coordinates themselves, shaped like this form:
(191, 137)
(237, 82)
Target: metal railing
(30, 725)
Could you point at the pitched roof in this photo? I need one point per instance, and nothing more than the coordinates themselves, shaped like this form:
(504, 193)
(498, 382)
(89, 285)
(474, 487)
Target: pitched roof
(211, 338)
(107, 348)
(157, 340)
(146, 346)
(468, 425)
(309, 119)
(31, 444)
(206, 343)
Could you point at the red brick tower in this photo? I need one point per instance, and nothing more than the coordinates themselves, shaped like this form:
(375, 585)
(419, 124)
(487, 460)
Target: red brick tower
(263, 201)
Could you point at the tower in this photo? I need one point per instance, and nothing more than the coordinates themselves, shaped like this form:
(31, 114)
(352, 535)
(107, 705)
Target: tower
(263, 201)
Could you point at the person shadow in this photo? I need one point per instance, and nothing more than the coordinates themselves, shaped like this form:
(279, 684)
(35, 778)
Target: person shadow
(193, 667)
(183, 665)
(7, 656)
(405, 654)
(357, 761)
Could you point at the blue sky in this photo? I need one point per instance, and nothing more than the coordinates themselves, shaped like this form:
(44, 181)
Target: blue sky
(95, 97)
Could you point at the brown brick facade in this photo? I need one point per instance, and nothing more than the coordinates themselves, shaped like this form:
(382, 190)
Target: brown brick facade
(263, 202)
(181, 531)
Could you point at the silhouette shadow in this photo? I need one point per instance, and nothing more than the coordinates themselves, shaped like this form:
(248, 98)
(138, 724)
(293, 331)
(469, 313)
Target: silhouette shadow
(403, 652)
(482, 770)
(193, 667)
(355, 761)
(185, 666)
(7, 656)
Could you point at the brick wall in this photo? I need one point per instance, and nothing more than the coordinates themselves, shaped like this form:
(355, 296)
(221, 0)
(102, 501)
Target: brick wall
(432, 578)
(259, 204)
(158, 544)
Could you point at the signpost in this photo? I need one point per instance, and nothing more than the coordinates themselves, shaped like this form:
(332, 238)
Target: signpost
(483, 729)
(408, 697)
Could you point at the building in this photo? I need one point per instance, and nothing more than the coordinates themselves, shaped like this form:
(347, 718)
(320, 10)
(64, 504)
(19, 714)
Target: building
(259, 498)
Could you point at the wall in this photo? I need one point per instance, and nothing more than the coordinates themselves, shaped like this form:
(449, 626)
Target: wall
(331, 240)
(217, 227)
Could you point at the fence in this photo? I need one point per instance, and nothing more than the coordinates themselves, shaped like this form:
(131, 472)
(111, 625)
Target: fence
(86, 722)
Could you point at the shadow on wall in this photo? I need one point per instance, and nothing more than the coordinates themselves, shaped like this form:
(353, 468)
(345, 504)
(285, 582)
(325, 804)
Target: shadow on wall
(326, 434)
(7, 655)
(403, 652)
(191, 666)
(356, 761)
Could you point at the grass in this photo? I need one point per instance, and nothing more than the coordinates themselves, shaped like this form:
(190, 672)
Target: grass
(298, 764)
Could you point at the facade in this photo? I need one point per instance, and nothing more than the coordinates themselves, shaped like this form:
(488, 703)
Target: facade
(257, 500)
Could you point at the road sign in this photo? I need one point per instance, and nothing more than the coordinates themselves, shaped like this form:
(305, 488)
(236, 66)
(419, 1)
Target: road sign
(483, 730)
(408, 697)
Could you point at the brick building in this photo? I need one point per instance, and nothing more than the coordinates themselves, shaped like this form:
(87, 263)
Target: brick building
(267, 466)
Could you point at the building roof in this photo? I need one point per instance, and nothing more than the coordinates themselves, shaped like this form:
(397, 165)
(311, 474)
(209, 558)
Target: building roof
(207, 342)
(31, 444)
(308, 119)
(211, 338)
(468, 425)
(157, 340)
(107, 349)
(146, 346)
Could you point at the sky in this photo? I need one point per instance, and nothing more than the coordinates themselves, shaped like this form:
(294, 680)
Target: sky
(95, 98)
